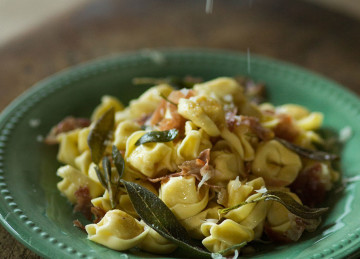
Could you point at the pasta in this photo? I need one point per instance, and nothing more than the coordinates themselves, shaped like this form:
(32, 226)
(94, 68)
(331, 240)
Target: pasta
(224, 166)
(117, 230)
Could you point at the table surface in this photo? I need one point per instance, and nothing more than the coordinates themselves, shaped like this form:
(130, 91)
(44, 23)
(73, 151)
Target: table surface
(318, 39)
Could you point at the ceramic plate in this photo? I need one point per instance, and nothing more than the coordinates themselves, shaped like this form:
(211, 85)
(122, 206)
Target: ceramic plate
(32, 209)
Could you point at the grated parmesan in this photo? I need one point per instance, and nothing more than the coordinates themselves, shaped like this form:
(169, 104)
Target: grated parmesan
(236, 254)
(39, 138)
(205, 177)
(228, 98)
(157, 57)
(34, 123)
(345, 134)
(262, 190)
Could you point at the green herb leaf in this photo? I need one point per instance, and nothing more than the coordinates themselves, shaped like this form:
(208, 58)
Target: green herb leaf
(100, 176)
(111, 186)
(99, 134)
(109, 179)
(295, 207)
(232, 248)
(107, 168)
(157, 136)
(286, 200)
(146, 127)
(332, 143)
(226, 210)
(312, 154)
(158, 216)
(118, 162)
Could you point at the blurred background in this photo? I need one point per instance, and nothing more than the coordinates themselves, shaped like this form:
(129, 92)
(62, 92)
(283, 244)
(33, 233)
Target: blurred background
(40, 37)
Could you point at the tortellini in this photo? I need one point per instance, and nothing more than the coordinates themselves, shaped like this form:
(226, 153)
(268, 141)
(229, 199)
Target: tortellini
(193, 224)
(206, 113)
(238, 193)
(123, 132)
(68, 147)
(281, 224)
(155, 243)
(148, 101)
(224, 235)
(304, 119)
(73, 147)
(150, 159)
(213, 170)
(223, 89)
(227, 167)
(107, 102)
(83, 161)
(195, 141)
(117, 230)
(276, 164)
(124, 203)
(240, 144)
(73, 180)
(183, 198)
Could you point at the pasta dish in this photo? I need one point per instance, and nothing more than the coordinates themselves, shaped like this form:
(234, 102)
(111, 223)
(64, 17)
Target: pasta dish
(213, 159)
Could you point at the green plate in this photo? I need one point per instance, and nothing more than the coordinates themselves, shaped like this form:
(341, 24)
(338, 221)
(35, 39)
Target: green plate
(32, 209)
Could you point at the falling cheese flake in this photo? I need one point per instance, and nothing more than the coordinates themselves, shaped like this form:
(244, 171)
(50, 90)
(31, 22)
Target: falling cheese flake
(345, 134)
(39, 138)
(205, 177)
(155, 56)
(236, 254)
(34, 123)
(209, 6)
(262, 190)
(248, 61)
(228, 98)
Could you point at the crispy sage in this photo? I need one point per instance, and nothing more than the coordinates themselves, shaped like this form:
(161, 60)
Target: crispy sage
(110, 180)
(232, 248)
(286, 200)
(312, 154)
(101, 177)
(157, 136)
(118, 161)
(99, 134)
(158, 216)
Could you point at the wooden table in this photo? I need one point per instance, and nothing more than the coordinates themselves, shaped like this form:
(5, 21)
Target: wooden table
(295, 31)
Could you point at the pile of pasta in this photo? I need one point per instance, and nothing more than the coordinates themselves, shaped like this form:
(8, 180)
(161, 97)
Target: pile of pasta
(227, 152)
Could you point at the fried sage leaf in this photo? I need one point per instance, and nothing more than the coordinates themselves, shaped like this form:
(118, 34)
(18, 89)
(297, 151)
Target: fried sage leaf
(118, 161)
(286, 200)
(312, 154)
(100, 176)
(226, 210)
(158, 216)
(110, 180)
(295, 207)
(157, 136)
(99, 134)
(112, 184)
(232, 248)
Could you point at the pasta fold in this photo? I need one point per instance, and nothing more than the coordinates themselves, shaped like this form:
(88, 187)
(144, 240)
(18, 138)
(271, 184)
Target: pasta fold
(276, 164)
(180, 194)
(117, 230)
